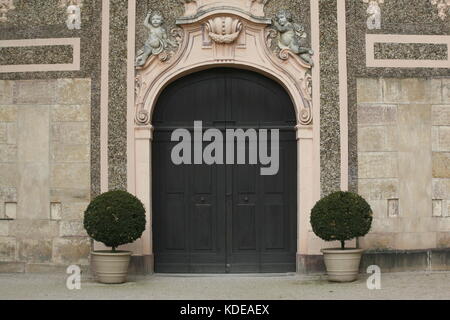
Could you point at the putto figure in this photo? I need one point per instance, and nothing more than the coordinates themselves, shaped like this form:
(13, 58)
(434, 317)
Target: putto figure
(291, 35)
(158, 40)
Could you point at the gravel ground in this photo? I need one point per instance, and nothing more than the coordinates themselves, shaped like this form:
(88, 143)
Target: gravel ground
(420, 285)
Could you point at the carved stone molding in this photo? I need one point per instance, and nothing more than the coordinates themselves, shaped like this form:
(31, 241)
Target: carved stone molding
(194, 7)
(5, 6)
(443, 7)
(224, 29)
(374, 12)
(73, 11)
(225, 37)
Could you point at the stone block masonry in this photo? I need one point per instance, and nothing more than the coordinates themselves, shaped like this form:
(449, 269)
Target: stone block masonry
(45, 173)
(404, 161)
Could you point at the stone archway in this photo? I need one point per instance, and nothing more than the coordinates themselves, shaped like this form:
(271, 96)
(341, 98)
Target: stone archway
(213, 34)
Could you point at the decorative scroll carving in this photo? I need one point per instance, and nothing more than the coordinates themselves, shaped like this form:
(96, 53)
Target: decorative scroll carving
(374, 12)
(290, 37)
(73, 11)
(270, 36)
(443, 7)
(224, 29)
(306, 88)
(5, 6)
(158, 42)
(142, 117)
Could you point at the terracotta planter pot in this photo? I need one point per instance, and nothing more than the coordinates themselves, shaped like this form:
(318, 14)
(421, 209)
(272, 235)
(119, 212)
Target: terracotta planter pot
(342, 265)
(111, 267)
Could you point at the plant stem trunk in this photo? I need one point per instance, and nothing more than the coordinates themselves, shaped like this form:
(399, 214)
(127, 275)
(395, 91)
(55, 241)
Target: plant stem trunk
(342, 245)
(113, 249)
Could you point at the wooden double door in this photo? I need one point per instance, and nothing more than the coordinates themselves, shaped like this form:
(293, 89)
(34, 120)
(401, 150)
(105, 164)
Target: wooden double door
(224, 218)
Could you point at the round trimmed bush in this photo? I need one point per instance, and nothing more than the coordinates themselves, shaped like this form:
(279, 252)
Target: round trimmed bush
(115, 218)
(341, 216)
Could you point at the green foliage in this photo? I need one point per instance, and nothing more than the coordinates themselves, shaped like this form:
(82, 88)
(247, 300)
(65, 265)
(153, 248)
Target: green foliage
(115, 218)
(341, 216)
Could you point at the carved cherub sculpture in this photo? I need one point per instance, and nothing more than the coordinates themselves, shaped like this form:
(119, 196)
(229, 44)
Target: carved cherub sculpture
(290, 36)
(157, 41)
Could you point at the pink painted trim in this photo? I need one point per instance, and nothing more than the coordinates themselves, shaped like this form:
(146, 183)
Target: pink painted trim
(371, 62)
(104, 98)
(343, 92)
(74, 66)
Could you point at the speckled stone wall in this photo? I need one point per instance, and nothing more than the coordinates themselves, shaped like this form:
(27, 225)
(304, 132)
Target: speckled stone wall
(413, 51)
(414, 17)
(117, 120)
(330, 155)
(46, 19)
(34, 55)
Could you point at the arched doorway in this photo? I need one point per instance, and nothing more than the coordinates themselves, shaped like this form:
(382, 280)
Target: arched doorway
(224, 218)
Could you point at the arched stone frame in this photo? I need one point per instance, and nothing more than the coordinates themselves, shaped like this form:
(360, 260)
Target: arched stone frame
(198, 51)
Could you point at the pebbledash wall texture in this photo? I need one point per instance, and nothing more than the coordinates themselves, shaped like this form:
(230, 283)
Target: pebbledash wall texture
(381, 104)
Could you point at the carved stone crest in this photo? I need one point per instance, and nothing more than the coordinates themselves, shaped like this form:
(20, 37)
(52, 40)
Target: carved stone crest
(290, 37)
(224, 29)
(158, 42)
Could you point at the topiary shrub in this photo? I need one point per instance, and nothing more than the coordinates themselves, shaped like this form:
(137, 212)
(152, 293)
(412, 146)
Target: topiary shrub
(341, 216)
(115, 218)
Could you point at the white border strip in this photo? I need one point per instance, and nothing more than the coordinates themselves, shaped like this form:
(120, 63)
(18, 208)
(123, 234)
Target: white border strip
(371, 62)
(74, 66)
(104, 98)
(343, 91)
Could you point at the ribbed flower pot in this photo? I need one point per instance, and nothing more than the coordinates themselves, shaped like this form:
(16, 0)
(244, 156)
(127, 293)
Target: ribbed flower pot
(342, 265)
(111, 267)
